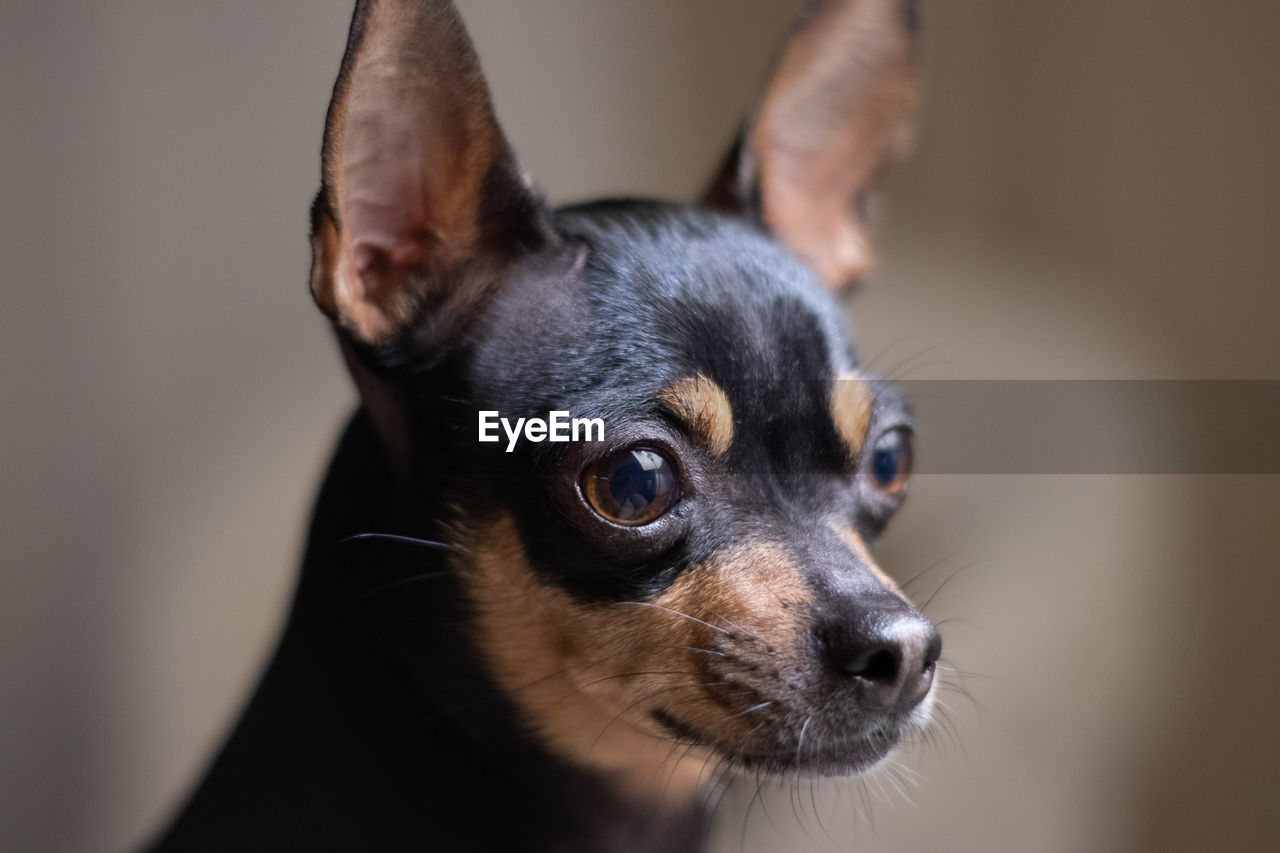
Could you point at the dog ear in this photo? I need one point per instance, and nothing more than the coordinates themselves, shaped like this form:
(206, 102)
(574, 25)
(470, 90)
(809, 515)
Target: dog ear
(422, 204)
(837, 109)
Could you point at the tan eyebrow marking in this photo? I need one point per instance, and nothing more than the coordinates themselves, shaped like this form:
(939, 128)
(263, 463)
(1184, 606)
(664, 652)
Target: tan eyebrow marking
(704, 409)
(852, 402)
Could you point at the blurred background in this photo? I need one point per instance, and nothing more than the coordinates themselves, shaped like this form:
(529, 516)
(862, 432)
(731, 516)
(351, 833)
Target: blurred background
(1094, 195)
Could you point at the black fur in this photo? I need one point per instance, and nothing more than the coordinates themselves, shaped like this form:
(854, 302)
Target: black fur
(377, 725)
(374, 728)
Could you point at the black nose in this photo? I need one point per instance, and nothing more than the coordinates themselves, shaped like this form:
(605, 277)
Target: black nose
(887, 651)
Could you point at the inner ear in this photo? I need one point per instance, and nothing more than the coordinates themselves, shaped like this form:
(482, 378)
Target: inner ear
(836, 111)
(422, 204)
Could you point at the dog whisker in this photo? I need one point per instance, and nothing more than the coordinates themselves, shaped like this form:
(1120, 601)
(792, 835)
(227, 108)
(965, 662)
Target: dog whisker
(676, 612)
(615, 676)
(906, 585)
(945, 581)
(396, 537)
(644, 699)
(957, 621)
(749, 710)
(727, 620)
(364, 596)
(800, 740)
(962, 673)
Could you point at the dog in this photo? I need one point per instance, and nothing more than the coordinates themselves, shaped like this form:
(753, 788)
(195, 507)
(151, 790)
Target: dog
(600, 531)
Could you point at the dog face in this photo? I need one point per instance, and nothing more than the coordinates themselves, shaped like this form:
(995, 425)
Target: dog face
(704, 570)
(701, 576)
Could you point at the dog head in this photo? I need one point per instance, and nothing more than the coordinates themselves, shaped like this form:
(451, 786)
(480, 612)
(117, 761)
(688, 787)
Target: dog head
(701, 573)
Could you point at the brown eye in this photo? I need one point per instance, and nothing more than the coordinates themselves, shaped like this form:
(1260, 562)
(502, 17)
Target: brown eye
(891, 459)
(631, 487)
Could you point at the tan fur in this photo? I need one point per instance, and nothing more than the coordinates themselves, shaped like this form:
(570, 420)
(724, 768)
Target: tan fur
(837, 110)
(701, 405)
(410, 140)
(588, 676)
(852, 404)
(324, 260)
(851, 538)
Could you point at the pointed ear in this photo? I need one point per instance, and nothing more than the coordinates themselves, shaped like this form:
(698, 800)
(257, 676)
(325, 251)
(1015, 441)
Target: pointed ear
(836, 111)
(422, 203)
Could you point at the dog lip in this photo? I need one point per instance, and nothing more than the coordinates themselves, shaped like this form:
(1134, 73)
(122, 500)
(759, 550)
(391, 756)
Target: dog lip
(838, 759)
(682, 731)
(846, 757)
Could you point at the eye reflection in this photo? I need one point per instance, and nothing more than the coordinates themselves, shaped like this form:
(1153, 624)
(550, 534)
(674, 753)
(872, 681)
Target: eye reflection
(891, 460)
(632, 487)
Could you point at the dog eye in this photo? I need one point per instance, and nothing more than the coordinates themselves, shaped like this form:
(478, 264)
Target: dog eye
(891, 458)
(632, 487)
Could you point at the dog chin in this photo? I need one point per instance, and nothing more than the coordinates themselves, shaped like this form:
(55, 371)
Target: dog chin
(844, 758)
(833, 757)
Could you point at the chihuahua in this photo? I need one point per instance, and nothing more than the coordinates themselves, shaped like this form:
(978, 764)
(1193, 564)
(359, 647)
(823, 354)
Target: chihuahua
(599, 533)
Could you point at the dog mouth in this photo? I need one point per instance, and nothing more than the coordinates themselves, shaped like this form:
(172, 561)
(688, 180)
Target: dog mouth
(783, 753)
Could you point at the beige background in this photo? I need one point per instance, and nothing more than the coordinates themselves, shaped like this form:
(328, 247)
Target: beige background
(1094, 195)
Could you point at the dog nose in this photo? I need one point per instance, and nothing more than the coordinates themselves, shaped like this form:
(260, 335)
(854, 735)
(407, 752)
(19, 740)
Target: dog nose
(889, 653)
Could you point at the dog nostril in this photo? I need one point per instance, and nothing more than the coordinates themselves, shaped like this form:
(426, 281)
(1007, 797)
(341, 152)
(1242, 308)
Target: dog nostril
(881, 667)
(934, 650)
(873, 660)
